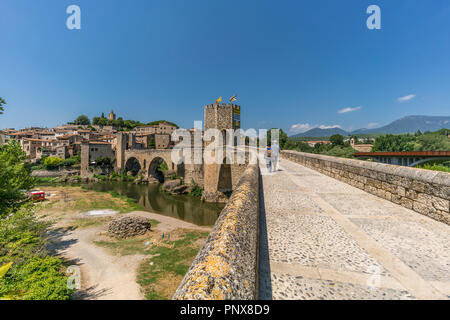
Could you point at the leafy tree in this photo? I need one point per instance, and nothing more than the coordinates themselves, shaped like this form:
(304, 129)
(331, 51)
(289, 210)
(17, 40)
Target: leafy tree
(103, 161)
(151, 143)
(160, 121)
(82, 120)
(2, 102)
(432, 142)
(394, 143)
(15, 177)
(26, 269)
(70, 161)
(337, 140)
(341, 151)
(283, 137)
(162, 168)
(52, 162)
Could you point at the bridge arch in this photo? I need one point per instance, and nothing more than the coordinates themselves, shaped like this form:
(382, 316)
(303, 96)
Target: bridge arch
(133, 165)
(225, 180)
(157, 167)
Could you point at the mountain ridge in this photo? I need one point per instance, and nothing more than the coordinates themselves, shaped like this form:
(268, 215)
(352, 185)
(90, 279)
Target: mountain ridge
(406, 124)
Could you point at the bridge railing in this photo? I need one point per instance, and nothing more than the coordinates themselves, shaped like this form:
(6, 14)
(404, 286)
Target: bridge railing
(226, 266)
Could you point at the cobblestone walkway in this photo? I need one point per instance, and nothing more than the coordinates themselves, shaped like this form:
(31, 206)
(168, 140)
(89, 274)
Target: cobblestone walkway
(323, 239)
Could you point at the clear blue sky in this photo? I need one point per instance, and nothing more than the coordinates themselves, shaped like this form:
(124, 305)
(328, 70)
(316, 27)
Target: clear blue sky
(290, 62)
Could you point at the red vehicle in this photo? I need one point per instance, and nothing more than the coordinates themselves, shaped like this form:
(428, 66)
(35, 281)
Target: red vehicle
(36, 195)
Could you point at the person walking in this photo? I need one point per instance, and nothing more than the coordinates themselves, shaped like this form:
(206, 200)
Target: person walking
(275, 154)
(268, 157)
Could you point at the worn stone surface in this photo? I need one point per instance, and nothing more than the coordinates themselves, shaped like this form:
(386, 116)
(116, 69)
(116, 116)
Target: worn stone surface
(226, 266)
(321, 238)
(128, 227)
(424, 191)
(170, 185)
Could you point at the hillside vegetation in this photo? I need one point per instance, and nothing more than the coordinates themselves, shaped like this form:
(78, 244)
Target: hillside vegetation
(27, 271)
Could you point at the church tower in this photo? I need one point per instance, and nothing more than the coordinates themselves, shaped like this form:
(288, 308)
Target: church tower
(112, 116)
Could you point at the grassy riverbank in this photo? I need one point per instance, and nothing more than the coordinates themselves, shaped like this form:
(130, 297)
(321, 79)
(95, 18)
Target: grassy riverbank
(160, 275)
(162, 261)
(66, 199)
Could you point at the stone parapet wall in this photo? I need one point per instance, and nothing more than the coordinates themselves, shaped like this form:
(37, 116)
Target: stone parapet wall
(424, 191)
(226, 266)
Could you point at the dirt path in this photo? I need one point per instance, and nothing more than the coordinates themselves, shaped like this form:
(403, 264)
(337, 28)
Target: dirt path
(105, 276)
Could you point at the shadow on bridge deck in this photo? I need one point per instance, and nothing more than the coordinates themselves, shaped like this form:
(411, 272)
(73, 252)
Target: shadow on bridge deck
(264, 281)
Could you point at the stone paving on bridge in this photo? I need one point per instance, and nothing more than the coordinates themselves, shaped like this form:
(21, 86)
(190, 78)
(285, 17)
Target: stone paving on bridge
(323, 239)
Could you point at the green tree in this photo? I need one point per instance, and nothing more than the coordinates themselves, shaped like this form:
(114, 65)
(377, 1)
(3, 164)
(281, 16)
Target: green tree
(337, 140)
(15, 177)
(52, 162)
(2, 102)
(355, 138)
(33, 275)
(394, 143)
(30, 272)
(283, 137)
(432, 142)
(104, 161)
(82, 120)
(151, 143)
(341, 151)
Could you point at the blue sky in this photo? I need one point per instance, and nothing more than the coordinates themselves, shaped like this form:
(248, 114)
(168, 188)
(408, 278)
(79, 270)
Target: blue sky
(294, 64)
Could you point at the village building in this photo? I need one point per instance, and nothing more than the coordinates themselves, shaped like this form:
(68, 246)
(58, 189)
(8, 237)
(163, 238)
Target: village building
(360, 147)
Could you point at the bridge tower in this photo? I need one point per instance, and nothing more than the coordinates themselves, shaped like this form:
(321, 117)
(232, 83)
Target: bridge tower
(222, 116)
(220, 178)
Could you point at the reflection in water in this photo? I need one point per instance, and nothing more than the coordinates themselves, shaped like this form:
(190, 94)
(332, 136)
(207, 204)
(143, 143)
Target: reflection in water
(182, 207)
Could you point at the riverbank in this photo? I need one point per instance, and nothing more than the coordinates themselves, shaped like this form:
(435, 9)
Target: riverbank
(149, 198)
(150, 266)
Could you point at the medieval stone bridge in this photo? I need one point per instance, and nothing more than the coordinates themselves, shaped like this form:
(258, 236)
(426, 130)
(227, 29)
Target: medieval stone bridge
(146, 162)
(328, 228)
(216, 179)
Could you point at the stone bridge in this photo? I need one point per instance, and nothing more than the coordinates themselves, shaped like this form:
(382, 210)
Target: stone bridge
(328, 228)
(146, 162)
(216, 179)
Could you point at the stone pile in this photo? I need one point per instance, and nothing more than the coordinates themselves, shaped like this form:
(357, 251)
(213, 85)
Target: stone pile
(128, 227)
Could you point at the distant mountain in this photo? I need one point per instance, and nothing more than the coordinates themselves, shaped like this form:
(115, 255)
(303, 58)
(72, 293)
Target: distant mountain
(410, 124)
(317, 132)
(403, 125)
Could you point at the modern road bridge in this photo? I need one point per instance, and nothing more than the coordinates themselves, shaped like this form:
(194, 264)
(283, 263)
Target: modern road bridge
(407, 158)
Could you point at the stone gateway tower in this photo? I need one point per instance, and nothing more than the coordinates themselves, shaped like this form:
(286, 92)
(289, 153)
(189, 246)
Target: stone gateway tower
(222, 116)
(221, 178)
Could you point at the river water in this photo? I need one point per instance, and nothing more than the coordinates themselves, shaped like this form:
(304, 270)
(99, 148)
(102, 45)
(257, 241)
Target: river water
(182, 207)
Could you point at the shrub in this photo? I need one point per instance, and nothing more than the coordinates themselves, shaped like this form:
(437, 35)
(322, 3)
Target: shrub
(163, 168)
(14, 177)
(52, 162)
(69, 162)
(34, 275)
(196, 191)
(101, 177)
(104, 161)
(38, 278)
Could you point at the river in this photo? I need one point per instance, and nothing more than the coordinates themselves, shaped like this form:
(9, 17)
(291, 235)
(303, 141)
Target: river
(183, 207)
